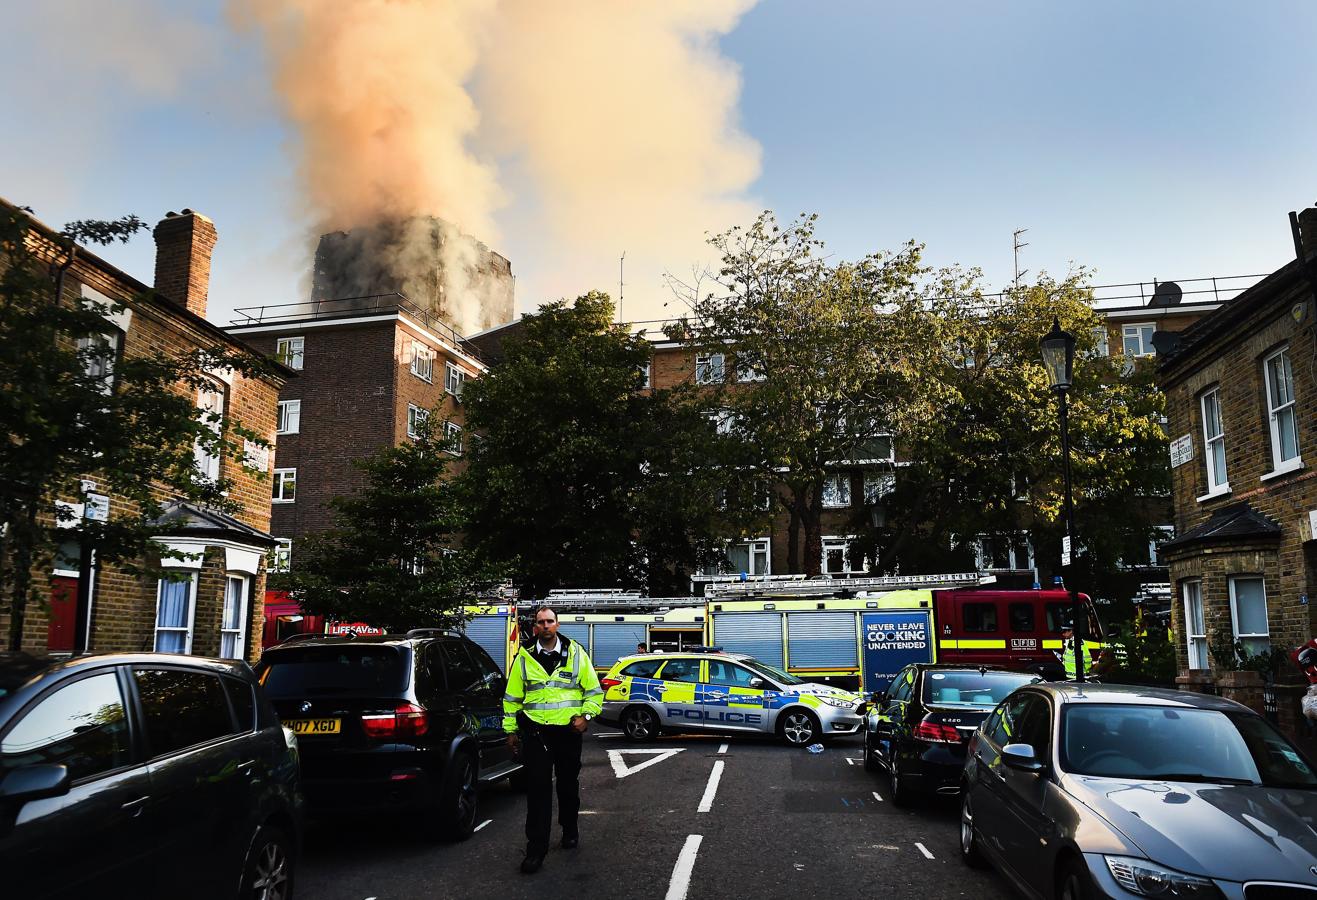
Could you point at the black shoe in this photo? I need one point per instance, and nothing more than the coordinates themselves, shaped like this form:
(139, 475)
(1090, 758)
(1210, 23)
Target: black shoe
(570, 842)
(531, 864)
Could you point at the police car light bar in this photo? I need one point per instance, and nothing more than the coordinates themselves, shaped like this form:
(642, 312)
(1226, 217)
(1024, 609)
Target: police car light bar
(827, 586)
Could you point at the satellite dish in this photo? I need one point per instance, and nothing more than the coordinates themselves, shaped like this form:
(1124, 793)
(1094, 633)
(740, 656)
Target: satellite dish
(1168, 293)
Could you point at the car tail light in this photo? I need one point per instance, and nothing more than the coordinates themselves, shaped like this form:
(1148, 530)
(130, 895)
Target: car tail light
(607, 683)
(936, 732)
(407, 721)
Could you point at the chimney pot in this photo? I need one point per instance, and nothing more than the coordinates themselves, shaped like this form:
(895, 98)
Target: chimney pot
(184, 244)
(1308, 231)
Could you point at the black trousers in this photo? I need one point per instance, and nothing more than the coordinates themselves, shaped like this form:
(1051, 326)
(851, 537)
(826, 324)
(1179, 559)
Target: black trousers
(546, 750)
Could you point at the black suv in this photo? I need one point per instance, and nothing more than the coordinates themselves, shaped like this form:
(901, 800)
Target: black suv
(393, 722)
(145, 774)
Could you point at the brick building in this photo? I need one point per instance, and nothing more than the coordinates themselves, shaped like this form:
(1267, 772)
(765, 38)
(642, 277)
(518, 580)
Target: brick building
(217, 606)
(1241, 401)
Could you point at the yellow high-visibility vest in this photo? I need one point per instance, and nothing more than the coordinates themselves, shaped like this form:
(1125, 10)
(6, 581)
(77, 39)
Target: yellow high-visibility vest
(572, 690)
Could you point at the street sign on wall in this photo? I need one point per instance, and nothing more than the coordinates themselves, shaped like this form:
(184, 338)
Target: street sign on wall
(1182, 450)
(893, 640)
(96, 507)
(1065, 550)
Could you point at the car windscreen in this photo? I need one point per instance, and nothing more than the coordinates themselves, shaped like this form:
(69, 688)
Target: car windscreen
(1180, 744)
(968, 687)
(771, 671)
(347, 671)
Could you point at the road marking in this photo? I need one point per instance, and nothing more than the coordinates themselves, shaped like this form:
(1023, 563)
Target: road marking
(622, 770)
(483, 824)
(849, 761)
(609, 734)
(877, 796)
(722, 749)
(681, 872)
(706, 802)
(923, 850)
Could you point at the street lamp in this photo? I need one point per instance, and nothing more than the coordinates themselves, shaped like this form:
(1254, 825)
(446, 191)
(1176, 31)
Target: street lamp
(1059, 360)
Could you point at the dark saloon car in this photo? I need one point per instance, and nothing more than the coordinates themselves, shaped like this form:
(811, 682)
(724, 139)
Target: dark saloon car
(393, 723)
(143, 775)
(917, 730)
(1081, 791)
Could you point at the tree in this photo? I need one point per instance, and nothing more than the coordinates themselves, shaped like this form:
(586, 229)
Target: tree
(579, 477)
(72, 409)
(393, 558)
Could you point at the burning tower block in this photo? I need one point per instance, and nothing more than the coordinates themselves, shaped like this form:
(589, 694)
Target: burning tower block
(432, 263)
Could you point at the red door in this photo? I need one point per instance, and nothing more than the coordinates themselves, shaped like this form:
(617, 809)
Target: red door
(61, 633)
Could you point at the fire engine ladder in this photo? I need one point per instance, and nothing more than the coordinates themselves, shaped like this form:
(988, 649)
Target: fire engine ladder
(584, 600)
(828, 587)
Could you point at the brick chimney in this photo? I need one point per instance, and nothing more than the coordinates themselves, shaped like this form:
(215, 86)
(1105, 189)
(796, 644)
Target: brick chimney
(183, 244)
(1308, 231)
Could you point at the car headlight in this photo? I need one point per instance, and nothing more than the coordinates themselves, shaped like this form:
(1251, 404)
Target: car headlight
(839, 702)
(1147, 879)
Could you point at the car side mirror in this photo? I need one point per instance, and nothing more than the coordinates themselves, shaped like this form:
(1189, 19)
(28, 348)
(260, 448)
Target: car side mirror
(758, 683)
(38, 782)
(1022, 757)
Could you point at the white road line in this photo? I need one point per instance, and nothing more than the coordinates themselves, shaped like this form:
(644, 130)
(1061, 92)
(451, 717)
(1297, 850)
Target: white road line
(722, 749)
(849, 761)
(706, 802)
(877, 796)
(483, 824)
(923, 850)
(681, 872)
(609, 734)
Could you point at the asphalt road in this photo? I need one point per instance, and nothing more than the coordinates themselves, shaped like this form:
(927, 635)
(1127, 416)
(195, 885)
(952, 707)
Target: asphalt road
(772, 822)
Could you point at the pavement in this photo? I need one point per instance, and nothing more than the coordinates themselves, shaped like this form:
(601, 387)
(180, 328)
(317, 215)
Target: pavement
(700, 817)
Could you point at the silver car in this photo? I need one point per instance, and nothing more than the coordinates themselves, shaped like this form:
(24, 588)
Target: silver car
(1080, 791)
(727, 692)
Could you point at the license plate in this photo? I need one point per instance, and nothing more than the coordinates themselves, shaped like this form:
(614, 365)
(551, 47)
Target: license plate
(314, 726)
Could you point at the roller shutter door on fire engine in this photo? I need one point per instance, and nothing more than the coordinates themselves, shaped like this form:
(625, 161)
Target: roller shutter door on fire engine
(757, 634)
(821, 640)
(614, 640)
(491, 633)
(576, 631)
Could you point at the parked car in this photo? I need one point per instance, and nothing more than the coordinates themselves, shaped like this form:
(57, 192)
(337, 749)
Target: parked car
(727, 692)
(917, 730)
(145, 774)
(393, 723)
(1080, 791)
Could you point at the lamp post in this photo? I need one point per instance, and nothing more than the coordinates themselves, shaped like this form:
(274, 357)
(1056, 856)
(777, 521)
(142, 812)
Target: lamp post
(1059, 361)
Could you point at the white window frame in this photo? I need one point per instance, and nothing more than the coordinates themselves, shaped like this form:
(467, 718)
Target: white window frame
(755, 548)
(416, 416)
(1013, 561)
(1135, 330)
(748, 374)
(191, 582)
(1275, 412)
(724, 421)
(92, 366)
(1249, 638)
(646, 374)
(1102, 341)
(239, 633)
(710, 368)
(291, 351)
(841, 493)
(453, 432)
(290, 417)
(422, 365)
(1166, 533)
(1214, 444)
(832, 542)
(454, 379)
(278, 484)
(1195, 642)
(281, 556)
(878, 485)
(208, 464)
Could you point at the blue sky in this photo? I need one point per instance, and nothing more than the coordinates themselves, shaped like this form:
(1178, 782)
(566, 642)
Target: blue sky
(1145, 140)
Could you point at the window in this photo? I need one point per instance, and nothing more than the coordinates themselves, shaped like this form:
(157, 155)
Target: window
(1161, 534)
(1248, 610)
(81, 725)
(1281, 411)
(645, 375)
(1005, 551)
(461, 671)
(643, 669)
(244, 706)
(1138, 339)
(746, 370)
(181, 709)
(1195, 626)
(99, 353)
(1021, 617)
(837, 490)
(837, 557)
(233, 624)
(1214, 443)
(422, 362)
(284, 486)
(173, 615)
(1100, 346)
(290, 351)
(416, 418)
(727, 674)
(724, 421)
(281, 556)
(878, 485)
(454, 379)
(453, 435)
(750, 557)
(210, 412)
(710, 368)
(290, 417)
(1035, 725)
(490, 673)
(979, 617)
(682, 670)
(904, 686)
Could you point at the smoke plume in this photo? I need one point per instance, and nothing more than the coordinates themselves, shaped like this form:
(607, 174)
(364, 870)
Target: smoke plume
(584, 127)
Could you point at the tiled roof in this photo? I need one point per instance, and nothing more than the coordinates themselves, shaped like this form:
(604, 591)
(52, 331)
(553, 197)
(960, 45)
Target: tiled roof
(1239, 521)
(185, 519)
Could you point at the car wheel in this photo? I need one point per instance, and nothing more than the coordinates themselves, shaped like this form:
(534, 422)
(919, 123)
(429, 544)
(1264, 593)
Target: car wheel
(798, 727)
(640, 724)
(1072, 883)
(267, 873)
(969, 841)
(870, 761)
(902, 795)
(459, 799)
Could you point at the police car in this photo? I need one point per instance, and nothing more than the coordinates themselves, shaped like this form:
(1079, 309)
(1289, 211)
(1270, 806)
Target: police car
(724, 692)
